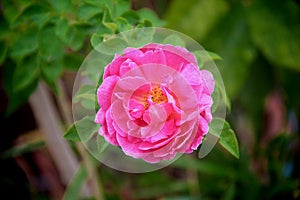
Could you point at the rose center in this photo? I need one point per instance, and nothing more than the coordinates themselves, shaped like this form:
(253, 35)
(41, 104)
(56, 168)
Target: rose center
(157, 95)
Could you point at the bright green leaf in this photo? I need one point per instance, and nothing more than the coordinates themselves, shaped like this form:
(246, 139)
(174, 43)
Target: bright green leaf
(82, 130)
(108, 21)
(228, 138)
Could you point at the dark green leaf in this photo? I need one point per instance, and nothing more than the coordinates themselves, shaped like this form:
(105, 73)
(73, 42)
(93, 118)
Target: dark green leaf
(147, 23)
(50, 48)
(131, 16)
(86, 11)
(61, 5)
(16, 99)
(72, 61)
(221, 128)
(76, 37)
(51, 71)
(23, 148)
(3, 51)
(82, 130)
(26, 43)
(147, 14)
(26, 72)
(61, 29)
(74, 187)
(36, 13)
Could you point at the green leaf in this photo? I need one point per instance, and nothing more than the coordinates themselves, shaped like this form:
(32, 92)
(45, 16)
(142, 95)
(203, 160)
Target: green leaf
(72, 61)
(26, 72)
(87, 11)
(51, 71)
(275, 29)
(174, 40)
(147, 14)
(102, 144)
(35, 12)
(131, 16)
(96, 39)
(85, 92)
(72, 134)
(82, 130)
(139, 37)
(25, 44)
(16, 99)
(76, 37)
(122, 24)
(74, 187)
(3, 51)
(61, 5)
(50, 48)
(86, 96)
(112, 46)
(108, 21)
(228, 138)
(61, 29)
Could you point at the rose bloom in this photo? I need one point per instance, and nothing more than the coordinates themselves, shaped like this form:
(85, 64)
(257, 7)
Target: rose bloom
(155, 102)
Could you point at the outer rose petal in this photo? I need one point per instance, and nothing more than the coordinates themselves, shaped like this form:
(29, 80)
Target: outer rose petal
(105, 91)
(208, 81)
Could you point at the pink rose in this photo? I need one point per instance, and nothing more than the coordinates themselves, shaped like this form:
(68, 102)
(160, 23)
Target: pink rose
(155, 102)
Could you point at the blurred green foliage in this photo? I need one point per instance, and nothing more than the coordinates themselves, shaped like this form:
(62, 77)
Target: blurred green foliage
(42, 39)
(260, 46)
